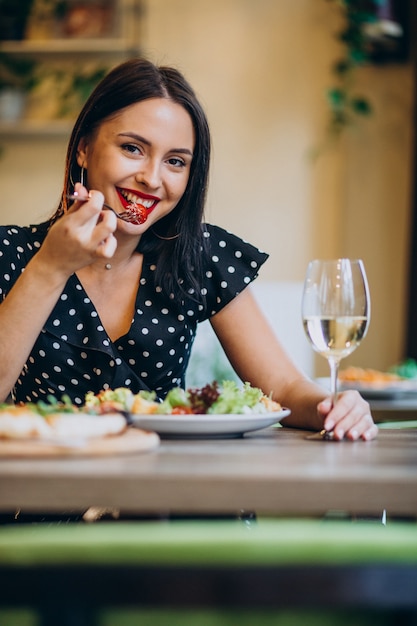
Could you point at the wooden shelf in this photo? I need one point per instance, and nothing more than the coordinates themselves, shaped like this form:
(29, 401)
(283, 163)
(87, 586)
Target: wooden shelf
(36, 128)
(105, 45)
(71, 53)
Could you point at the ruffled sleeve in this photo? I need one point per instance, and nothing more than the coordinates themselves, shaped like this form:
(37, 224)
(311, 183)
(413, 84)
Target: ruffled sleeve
(232, 265)
(17, 246)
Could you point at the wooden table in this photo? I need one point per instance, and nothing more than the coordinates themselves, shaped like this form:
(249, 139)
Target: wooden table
(67, 572)
(275, 471)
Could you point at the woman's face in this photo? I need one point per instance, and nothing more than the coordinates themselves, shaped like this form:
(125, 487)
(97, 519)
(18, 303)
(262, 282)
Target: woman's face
(140, 160)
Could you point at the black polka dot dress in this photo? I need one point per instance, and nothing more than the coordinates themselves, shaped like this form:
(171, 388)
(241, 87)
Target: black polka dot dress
(74, 355)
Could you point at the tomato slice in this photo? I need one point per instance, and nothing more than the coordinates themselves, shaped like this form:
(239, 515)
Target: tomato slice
(181, 410)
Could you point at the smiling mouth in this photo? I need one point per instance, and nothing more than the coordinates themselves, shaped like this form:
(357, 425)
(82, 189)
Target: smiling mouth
(135, 208)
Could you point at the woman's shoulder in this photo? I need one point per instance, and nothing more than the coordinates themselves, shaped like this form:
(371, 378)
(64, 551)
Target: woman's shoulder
(224, 240)
(18, 244)
(231, 264)
(23, 234)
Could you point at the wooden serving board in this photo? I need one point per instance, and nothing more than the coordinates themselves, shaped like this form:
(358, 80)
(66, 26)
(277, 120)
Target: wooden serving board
(132, 440)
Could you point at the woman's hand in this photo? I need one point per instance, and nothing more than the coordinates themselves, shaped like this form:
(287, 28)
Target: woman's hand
(350, 417)
(82, 235)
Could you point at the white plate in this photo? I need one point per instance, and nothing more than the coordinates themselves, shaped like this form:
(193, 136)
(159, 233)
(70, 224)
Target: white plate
(378, 390)
(207, 425)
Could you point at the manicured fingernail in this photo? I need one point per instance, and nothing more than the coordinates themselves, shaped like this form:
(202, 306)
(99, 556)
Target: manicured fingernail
(367, 435)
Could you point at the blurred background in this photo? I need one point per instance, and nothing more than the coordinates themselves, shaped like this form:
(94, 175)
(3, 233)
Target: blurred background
(312, 115)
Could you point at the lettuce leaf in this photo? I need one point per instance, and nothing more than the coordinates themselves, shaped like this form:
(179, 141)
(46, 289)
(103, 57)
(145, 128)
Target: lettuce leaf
(236, 400)
(176, 397)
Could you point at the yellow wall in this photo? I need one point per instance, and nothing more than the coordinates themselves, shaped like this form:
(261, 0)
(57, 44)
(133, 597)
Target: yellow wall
(261, 68)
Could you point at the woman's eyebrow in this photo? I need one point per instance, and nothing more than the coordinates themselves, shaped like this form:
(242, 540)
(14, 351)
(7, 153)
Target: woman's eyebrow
(136, 137)
(148, 143)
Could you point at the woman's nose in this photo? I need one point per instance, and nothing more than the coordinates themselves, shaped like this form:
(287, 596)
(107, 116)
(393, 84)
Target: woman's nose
(149, 174)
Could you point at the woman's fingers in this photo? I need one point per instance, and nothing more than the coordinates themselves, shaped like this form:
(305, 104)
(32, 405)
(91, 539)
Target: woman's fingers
(80, 196)
(93, 224)
(350, 417)
(102, 238)
(82, 235)
(90, 201)
(107, 247)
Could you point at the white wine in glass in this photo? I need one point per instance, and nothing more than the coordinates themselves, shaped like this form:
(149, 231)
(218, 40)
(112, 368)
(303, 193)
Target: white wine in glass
(335, 310)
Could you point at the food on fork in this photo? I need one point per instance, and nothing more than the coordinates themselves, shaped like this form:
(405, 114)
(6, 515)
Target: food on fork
(134, 213)
(136, 207)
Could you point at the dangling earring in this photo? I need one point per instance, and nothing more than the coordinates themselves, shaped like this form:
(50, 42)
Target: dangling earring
(71, 179)
(82, 175)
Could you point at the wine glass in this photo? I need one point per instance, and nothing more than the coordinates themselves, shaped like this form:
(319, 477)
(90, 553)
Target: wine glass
(335, 310)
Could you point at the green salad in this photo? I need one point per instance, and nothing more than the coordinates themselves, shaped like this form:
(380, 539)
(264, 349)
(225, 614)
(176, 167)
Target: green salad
(213, 398)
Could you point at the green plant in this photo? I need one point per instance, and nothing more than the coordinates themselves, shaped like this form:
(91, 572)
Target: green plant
(16, 72)
(56, 91)
(79, 86)
(344, 102)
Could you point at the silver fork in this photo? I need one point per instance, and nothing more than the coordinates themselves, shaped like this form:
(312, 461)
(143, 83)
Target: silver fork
(74, 196)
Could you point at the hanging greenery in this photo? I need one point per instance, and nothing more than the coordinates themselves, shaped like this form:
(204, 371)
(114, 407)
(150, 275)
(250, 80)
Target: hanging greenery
(345, 103)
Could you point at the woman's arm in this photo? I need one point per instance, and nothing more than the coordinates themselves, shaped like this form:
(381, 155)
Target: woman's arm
(22, 316)
(73, 242)
(258, 357)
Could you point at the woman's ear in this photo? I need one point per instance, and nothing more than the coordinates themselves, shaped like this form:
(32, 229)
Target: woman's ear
(82, 154)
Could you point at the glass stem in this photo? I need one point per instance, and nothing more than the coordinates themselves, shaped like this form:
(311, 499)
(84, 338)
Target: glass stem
(334, 374)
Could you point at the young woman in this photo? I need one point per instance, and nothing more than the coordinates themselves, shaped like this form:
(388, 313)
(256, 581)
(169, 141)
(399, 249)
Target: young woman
(107, 301)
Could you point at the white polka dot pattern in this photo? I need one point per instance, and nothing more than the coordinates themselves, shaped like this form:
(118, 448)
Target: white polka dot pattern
(73, 354)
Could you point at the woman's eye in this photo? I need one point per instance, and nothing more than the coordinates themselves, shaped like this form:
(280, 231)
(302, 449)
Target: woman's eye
(129, 147)
(176, 162)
